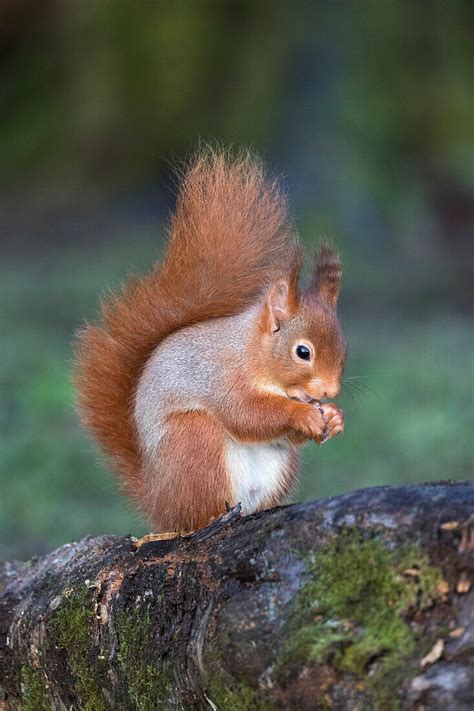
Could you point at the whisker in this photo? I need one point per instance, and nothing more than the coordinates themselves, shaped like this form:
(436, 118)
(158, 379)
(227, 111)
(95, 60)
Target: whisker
(366, 388)
(352, 384)
(358, 389)
(348, 391)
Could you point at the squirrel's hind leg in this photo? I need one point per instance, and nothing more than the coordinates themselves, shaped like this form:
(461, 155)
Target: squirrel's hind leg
(188, 481)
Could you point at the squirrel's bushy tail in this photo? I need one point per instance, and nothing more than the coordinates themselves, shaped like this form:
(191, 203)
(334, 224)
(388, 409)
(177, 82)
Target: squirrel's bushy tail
(228, 239)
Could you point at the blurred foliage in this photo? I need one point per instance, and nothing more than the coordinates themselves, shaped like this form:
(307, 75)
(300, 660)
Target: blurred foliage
(408, 401)
(367, 110)
(103, 90)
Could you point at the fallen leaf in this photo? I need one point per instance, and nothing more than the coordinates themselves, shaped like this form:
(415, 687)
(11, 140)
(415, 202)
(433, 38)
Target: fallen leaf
(458, 632)
(412, 571)
(442, 588)
(434, 654)
(152, 537)
(449, 525)
(467, 541)
(464, 585)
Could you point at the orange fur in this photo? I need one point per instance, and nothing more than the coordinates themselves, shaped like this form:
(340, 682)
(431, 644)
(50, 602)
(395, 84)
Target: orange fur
(192, 485)
(229, 239)
(194, 414)
(327, 273)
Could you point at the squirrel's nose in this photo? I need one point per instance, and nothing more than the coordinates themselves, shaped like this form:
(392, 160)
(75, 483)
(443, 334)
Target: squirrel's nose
(331, 391)
(328, 389)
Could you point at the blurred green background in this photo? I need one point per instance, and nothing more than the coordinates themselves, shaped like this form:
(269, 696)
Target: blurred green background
(364, 107)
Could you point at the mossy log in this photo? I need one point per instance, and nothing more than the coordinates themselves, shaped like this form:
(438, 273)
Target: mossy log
(363, 601)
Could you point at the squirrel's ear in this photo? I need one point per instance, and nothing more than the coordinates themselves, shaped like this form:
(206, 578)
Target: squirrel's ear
(326, 279)
(279, 305)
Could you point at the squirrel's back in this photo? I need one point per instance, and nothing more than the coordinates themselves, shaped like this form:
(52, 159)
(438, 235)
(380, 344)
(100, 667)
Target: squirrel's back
(229, 239)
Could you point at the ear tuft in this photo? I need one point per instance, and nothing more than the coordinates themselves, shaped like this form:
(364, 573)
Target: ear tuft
(279, 304)
(326, 279)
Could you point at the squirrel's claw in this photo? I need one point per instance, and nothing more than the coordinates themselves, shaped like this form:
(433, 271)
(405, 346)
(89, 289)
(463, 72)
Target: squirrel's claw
(335, 421)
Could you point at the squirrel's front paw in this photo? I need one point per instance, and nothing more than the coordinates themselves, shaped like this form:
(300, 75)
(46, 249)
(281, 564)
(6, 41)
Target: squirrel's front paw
(310, 422)
(334, 420)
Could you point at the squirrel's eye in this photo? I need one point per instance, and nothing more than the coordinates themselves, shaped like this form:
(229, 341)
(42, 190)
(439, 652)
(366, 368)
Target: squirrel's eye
(303, 352)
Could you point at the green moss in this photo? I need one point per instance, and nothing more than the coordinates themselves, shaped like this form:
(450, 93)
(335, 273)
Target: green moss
(69, 630)
(33, 692)
(148, 687)
(351, 612)
(228, 693)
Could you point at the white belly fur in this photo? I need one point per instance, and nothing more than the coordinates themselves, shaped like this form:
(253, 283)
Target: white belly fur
(257, 471)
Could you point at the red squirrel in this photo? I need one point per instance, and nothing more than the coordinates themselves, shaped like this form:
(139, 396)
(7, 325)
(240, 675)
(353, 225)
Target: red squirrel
(207, 374)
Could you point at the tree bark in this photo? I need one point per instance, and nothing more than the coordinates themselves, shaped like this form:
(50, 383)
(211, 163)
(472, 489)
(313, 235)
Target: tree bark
(362, 601)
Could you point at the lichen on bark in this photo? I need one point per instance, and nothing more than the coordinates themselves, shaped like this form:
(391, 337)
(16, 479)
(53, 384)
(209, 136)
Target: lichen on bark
(362, 601)
(352, 612)
(150, 683)
(69, 631)
(33, 693)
